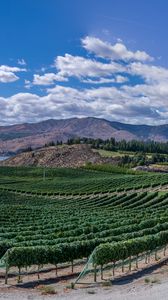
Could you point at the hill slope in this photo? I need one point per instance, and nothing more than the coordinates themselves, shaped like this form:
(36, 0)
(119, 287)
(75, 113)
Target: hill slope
(60, 156)
(17, 137)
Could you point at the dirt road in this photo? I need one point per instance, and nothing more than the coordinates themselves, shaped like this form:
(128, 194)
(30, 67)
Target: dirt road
(158, 290)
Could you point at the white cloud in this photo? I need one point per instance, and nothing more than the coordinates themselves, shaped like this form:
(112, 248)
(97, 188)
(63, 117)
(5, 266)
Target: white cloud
(21, 62)
(28, 84)
(47, 79)
(7, 73)
(6, 77)
(80, 67)
(116, 96)
(150, 73)
(11, 69)
(101, 80)
(125, 104)
(92, 70)
(121, 79)
(113, 52)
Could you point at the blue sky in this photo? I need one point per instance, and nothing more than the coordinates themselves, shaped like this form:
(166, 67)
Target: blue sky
(62, 59)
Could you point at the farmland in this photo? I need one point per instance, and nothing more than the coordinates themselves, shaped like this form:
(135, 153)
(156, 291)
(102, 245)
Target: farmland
(55, 216)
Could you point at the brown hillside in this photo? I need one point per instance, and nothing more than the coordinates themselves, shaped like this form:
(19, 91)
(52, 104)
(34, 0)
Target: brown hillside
(61, 156)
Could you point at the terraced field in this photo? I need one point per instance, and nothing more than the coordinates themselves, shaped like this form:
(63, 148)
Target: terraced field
(67, 214)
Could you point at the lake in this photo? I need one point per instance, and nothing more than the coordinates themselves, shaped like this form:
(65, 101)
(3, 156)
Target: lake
(3, 157)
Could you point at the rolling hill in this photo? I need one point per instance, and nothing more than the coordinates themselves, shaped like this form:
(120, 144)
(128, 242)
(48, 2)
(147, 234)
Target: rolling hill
(60, 156)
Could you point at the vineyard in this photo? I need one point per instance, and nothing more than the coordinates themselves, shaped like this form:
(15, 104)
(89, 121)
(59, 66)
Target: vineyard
(57, 216)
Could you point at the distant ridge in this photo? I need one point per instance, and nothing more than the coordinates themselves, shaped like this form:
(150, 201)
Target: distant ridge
(15, 138)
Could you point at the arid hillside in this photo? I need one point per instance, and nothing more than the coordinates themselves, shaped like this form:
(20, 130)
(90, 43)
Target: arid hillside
(60, 156)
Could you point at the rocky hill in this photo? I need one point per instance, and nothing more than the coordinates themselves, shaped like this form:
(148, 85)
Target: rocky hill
(60, 156)
(18, 137)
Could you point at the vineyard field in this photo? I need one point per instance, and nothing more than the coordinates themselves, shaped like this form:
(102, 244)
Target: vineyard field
(55, 216)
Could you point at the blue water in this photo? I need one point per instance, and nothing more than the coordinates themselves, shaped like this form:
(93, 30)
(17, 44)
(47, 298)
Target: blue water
(3, 157)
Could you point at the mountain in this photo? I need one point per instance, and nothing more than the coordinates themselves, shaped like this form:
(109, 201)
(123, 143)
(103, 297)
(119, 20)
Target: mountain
(15, 138)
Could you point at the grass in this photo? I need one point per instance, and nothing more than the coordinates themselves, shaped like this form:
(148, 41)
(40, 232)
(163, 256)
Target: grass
(162, 164)
(105, 153)
(147, 280)
(108, 153)
(160, 193)
(91, 292)
(155, 280)
(71, 286)
(113, 169)
(152, 281)
(106, 283)
(48, 290)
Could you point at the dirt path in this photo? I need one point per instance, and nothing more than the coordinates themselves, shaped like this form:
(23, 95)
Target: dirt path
(142, 291)
(151, 285)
